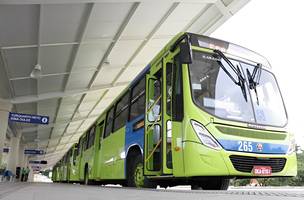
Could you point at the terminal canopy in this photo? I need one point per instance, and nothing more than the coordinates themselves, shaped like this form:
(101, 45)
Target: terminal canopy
(68, 59)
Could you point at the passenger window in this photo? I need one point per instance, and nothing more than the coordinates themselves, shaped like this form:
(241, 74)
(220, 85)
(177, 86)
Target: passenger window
(109, 123)
(75, 154)
(121, 112)
(91, 136)
(84, 142)
(101, 125)
(169, 67)
(154, 104)
(138, 100)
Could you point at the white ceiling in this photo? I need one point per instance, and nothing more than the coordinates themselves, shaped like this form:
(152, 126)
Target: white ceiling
(89, 51)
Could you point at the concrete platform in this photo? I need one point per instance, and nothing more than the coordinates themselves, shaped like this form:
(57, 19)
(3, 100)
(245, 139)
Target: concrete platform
(47, 191)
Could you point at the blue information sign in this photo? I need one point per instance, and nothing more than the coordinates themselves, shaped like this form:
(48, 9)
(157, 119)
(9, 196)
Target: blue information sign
(43, 162)
(5, 150)
(28, 118)
(33, 152)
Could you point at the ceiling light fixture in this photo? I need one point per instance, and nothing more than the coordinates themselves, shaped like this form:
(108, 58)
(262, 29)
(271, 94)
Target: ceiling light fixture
(36, 72)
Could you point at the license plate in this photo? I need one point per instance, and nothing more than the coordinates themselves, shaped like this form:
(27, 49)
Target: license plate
(261, 170)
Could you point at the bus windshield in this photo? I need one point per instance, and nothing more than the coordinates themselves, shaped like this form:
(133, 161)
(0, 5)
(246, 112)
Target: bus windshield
(215, 92)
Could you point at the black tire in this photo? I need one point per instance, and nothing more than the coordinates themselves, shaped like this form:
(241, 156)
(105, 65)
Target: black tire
(86, 176)
(213, 184)
(135, 177)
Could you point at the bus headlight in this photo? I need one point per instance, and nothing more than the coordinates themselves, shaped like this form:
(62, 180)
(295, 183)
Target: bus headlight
(292, 146)
(205, 137)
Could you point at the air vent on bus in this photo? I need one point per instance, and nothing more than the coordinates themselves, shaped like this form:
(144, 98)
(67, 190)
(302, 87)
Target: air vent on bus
(246, 163)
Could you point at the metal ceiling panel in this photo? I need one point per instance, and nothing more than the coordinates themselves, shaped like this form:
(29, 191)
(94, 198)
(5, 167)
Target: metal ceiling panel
(61, 22)
(20, 62)
(106, 75)
(89, 55)
(150, 13)
(80, 80)
(20, 23)
(55, 59)
(103, 23)
(50, 84)
(24, 87)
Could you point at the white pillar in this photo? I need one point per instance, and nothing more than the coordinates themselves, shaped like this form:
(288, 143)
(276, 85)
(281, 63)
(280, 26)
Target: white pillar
(13, 159)
(5, 108)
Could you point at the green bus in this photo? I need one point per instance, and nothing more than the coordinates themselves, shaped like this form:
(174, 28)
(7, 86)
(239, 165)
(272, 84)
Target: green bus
(202, 112)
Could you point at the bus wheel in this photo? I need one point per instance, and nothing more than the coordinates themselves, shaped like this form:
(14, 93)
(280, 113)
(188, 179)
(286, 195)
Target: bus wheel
(136, 176)
(86, 176)
(215, 184)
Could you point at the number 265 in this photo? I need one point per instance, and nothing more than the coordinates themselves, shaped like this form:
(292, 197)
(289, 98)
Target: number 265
(245, 146)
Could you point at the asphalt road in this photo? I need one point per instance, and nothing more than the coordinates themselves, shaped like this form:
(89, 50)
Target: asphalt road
(48, 191)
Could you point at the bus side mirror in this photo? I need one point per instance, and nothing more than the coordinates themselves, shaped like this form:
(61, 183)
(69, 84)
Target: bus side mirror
(185, 53)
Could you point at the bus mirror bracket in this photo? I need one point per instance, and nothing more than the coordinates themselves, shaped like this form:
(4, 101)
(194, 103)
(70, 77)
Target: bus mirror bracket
(185, 53)
(185, 49)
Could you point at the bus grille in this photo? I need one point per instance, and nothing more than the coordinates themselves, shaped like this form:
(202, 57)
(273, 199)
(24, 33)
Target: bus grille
(246, 163)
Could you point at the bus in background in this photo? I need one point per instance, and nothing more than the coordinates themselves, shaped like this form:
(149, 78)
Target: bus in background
(202, 112)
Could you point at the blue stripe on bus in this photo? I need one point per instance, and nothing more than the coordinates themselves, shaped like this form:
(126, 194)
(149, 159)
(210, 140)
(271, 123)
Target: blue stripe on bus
(257, 147)
(134, 137)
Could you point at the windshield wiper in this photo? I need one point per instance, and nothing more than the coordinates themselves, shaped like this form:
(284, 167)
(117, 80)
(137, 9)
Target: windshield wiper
(254, 79)
(241, 80)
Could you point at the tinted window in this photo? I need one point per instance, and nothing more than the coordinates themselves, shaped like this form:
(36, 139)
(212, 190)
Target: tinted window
(138, 100)
(91, 137)
(121, 112)
(169, 87)
(75, 154)
(84, 142)
(109, 122)
(100, 126)
(79, 147)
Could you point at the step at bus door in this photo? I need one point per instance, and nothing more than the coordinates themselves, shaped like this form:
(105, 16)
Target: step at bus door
(153, 125)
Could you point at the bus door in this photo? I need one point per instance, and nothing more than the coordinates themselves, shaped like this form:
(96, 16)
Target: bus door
(153, 123)
(167, 114)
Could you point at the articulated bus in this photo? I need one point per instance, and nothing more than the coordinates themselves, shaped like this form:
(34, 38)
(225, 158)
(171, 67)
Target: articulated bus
(204, 111)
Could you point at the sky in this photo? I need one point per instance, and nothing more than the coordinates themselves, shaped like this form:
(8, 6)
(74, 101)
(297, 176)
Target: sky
(275, 29)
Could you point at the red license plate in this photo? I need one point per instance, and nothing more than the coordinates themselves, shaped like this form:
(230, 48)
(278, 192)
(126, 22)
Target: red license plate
(261, 170)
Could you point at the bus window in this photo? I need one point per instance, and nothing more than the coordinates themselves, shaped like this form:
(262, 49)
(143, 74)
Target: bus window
(91, 137)
(169, 67)
(85, 142)
(100, 126)
(109, 123)
(155, 100)
(121, 112)
(75, 154)
(138, 100)
(177, 92)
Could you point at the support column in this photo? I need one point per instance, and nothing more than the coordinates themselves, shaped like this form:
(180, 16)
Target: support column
(5, 108)
(13, 159)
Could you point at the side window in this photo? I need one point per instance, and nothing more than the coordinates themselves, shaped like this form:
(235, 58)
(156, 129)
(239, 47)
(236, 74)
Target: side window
(121, 112)
(169, 69)
(75, 153)
(100, 126)
(177, 92)
(138, 99)
(109, 123)
(84, 142)
(91, 137)
(155, 97)
(79, 147)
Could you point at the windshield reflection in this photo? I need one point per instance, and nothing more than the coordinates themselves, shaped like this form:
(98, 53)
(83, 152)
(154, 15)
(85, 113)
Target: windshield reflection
(213, 91)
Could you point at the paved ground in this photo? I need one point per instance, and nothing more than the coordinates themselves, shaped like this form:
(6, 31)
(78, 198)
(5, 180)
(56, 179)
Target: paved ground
(47, 191)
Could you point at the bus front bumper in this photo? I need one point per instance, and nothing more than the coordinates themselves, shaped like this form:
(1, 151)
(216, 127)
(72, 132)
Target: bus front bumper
(200, 160)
